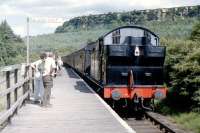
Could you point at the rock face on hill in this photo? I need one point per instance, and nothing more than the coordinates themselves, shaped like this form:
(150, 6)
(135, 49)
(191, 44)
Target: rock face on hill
(131, 17)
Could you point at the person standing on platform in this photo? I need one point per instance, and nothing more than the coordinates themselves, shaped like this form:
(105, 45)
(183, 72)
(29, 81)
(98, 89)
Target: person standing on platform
(59, 64)
(48, 74)
(38, 82)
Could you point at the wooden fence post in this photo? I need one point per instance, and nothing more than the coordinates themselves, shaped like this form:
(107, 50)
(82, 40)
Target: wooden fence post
(26, 84)
(16, 90)
(29, 81)
(8, 95)
(33, 74)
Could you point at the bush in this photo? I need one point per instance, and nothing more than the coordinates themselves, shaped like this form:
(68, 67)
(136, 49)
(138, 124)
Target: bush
(183, 73)
(195, 35)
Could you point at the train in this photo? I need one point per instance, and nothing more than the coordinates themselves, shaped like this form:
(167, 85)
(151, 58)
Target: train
(128, 64)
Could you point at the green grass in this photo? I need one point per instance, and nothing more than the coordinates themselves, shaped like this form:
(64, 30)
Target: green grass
(188, 121)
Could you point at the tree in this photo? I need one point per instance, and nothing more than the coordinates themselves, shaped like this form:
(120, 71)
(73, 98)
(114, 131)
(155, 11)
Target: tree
(195, 35)
(59, 29)
(183, 73)
(152, 15)
(10, 45)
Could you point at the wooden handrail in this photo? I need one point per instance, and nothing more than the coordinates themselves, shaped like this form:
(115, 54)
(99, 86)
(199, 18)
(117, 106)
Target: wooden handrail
(10, 112)
(24, 84)
(10, 68)
(11, 89)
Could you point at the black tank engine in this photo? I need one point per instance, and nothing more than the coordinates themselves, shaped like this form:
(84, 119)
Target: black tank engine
(127, 62)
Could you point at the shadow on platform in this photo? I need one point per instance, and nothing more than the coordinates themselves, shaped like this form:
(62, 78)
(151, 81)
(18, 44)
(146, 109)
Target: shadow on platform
(71, 73)
(81, 86)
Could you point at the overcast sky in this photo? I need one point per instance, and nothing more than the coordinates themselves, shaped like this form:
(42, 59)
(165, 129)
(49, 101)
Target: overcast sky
(16, 11)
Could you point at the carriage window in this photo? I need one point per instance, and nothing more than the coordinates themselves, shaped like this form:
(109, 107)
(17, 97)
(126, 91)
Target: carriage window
(116, 37)
(156, 41)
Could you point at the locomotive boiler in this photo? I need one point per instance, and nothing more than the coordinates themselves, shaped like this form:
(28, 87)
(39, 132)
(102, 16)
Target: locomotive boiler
(127, 63)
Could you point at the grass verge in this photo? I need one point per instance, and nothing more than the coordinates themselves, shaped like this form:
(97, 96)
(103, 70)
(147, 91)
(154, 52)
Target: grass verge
(189, 121)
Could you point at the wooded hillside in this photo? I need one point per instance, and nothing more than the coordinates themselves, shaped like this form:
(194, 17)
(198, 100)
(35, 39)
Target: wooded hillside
(12, 48)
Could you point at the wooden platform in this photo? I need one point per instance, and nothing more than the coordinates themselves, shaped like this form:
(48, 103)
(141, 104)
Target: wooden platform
(75, 109)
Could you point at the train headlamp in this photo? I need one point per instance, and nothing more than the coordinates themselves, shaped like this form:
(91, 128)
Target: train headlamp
(137, 51)
(116, 95)
(159, 95)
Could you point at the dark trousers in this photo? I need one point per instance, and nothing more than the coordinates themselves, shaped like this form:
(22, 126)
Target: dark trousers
(48, 84)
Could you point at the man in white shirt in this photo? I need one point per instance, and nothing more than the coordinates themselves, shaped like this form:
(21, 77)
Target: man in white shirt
(47, 76)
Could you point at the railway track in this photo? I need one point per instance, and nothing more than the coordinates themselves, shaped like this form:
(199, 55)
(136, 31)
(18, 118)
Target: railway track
(150, 123)
(153, 123)
(142, 125)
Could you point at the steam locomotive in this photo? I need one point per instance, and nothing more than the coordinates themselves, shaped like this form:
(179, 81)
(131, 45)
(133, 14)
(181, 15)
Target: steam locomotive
(127, 62)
